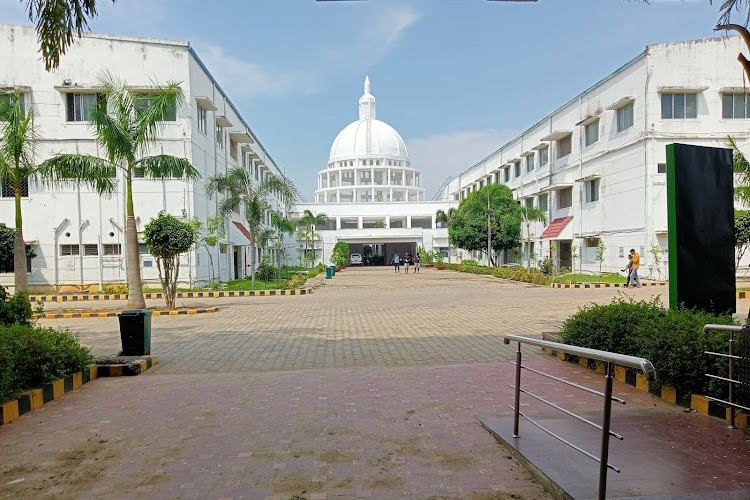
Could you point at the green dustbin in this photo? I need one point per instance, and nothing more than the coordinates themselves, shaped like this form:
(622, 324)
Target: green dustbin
(333, 270)
(135, 332)
(329, 272)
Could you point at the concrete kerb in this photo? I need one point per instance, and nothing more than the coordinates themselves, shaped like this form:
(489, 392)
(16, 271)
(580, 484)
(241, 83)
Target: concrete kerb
(633, 378)
(59, 298)
(35, 398)
(111, 314)
(604, 285)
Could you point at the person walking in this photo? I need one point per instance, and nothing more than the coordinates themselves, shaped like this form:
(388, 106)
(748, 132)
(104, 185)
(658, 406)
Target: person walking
(628, 269)
(634, 265)
(407, 262)
(417, 262)
(396, 261)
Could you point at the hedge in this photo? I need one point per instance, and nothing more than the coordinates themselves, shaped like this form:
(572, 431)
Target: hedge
(509, 273)
(672, 340)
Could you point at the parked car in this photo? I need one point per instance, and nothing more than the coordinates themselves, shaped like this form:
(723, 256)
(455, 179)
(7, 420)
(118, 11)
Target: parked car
(355, 259)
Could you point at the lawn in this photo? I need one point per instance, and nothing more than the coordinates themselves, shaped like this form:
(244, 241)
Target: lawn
(588, 278)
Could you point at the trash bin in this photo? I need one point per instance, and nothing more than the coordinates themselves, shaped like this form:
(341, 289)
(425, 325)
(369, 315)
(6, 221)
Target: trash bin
(135, 332)
(329, 272)
(333, 270)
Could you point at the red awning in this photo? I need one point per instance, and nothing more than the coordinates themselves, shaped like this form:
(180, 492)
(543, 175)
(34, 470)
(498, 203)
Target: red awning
(243, 230)
(555, 227)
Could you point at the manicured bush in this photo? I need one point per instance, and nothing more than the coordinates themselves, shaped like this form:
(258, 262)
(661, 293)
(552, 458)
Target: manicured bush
(296, 281)
(14, 309)
(33, 356)
(509, 273)
(265, 272)
(673, 341)
(115, 288)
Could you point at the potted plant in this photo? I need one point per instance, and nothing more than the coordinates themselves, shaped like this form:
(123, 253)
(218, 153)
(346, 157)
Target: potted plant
(437, 256)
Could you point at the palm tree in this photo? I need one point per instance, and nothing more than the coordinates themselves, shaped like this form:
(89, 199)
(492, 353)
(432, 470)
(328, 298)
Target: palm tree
(242, 195)
(443, 217)
(529, 215)
(18, 140)
(125, 123)
(741, 167)
(283, 226)
(310, 220)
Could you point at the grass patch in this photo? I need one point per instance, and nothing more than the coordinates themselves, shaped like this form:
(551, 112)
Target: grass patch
(588, 278)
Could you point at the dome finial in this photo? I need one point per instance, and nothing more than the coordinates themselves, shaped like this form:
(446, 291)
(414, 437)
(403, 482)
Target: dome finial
(367, 85)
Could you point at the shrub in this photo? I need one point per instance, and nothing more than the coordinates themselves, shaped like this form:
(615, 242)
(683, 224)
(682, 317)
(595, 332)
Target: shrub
(545, 266)
(265, 272)
(509, 273)
(296, 281)
(15, 309)
(470, 262)
(673, 341)
(115, 288)
(34, 356)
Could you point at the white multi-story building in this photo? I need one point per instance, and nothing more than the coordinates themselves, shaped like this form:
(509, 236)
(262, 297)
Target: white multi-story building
(597, 164)
(76, 234)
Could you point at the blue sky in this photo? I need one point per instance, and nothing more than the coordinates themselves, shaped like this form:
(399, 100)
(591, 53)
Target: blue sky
(456, 78)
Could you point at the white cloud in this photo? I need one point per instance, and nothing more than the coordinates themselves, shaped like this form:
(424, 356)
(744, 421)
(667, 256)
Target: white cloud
(443, 155)
(243, 78)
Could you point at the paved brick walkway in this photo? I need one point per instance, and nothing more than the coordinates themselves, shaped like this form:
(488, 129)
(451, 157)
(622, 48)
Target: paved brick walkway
(373, 386)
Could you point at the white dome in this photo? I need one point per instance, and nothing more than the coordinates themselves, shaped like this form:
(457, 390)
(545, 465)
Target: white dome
(352, 141)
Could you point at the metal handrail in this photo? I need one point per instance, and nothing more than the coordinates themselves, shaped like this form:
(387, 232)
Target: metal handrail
(610, 358)
(732, 329)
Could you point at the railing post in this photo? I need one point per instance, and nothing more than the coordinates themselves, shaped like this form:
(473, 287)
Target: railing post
(518, 391)
(731, 377)
(604, 457)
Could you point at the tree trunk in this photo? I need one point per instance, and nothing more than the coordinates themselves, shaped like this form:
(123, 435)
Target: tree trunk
(135, 286)
(19, 262)
(252, 264)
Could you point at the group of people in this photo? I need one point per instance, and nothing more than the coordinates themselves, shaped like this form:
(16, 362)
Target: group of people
(407, 260)
(634, 262)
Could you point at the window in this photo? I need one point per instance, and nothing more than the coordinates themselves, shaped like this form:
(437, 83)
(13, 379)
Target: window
(625, 117)
(219, 137)
(592, 191)
(543, 157)
(529, 202)
(8, 97)
(543, 202)
(81, 106)
(90, 249)
(678, 106)
(9, 190)
(735, 106)
(506, 174)
(591, 133)
(564, 146)
(517, 169)
(111, 249)
(530, 163)
(661, 168)
(202, 120)
(70, 250)
(144, 101)
(565, 198)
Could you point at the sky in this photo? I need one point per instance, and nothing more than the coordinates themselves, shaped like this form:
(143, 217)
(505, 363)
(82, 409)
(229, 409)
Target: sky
(456, 78)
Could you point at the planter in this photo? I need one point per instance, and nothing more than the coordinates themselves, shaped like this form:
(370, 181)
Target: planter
(440, 268)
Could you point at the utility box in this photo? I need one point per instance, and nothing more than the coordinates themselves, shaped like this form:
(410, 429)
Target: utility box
(135, 332)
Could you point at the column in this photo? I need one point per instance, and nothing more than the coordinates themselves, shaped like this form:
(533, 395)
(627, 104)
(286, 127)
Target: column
(408, 221)
(338, 222)
(359, 222)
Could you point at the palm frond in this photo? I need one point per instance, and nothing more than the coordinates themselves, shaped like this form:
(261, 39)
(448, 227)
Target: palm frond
(167, 166)
(73, 169)
(156, 107)
(741, 167)
(18, 135)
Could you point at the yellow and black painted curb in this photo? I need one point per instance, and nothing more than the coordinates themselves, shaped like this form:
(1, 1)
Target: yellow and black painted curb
(604, 285)
(35, 398)
(126, 369)
(111, 314)
(159, 295)
(634, 378)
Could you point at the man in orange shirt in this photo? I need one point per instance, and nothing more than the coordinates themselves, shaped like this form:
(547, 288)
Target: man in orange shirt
(635, 264)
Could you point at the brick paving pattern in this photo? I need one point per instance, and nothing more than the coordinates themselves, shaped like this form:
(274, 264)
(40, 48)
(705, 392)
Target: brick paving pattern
(373, 386)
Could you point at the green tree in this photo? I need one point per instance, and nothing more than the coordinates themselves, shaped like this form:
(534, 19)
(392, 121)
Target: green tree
(340, 255)
(600, 253)
(473, 224)
(529, 215)
(443, 217)
(741, 234)
(242, 195)
(18, 141)
(208, 237)
(125, 123)
(166, 238)
(282, 226)
(309, 220)
(7, 241)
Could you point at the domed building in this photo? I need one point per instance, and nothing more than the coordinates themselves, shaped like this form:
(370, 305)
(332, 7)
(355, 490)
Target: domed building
(372, 196)
(368, 163)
